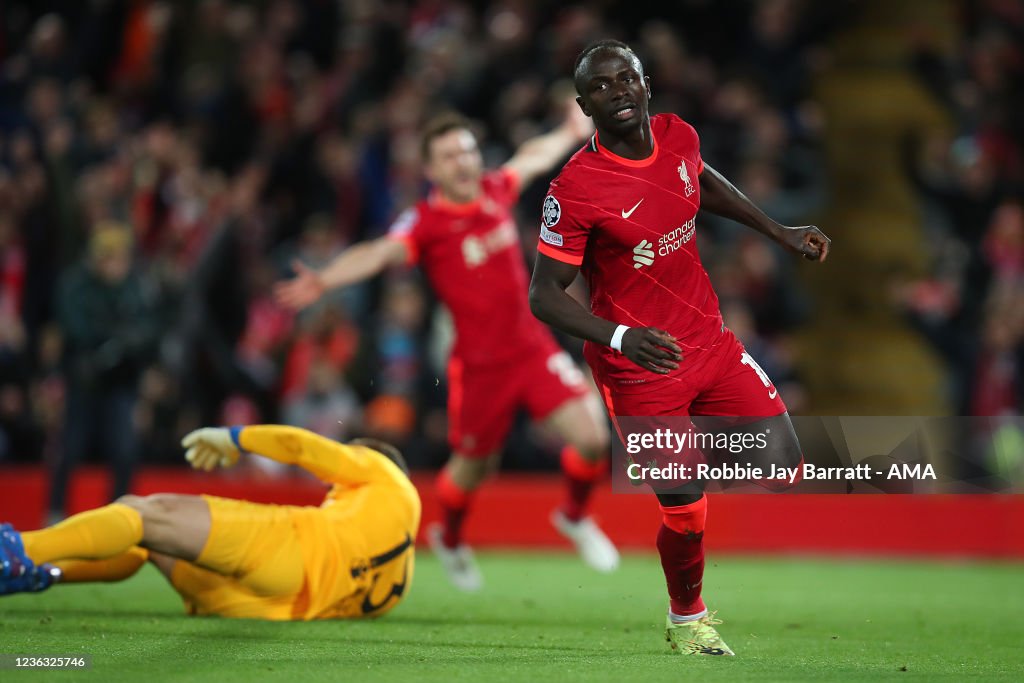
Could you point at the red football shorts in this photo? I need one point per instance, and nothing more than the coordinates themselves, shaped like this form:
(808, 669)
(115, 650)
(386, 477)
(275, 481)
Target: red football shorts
(730, 383)
(483, 399)
(725, 383)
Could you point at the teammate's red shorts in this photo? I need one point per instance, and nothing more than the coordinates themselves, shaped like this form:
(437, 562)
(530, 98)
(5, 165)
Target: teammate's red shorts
(728, 382)
(483, 398)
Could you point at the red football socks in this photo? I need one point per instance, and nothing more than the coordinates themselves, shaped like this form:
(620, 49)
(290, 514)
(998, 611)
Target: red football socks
(454, 503)
(681, 546)
(580, 477)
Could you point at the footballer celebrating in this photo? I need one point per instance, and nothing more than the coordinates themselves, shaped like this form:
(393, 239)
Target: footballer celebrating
(350, 557)
(655, 338)
(465, 239)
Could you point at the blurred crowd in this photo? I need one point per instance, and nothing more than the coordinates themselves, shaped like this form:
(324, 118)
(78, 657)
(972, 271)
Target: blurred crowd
(161, 164)
(971, 182)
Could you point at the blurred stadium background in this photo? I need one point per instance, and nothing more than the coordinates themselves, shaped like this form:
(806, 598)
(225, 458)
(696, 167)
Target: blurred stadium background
(162, 162)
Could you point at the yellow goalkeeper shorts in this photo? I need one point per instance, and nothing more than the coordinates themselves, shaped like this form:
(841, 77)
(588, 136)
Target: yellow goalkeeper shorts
(256, 568)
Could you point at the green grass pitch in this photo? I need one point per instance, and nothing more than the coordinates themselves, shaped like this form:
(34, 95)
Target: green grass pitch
(546, 618)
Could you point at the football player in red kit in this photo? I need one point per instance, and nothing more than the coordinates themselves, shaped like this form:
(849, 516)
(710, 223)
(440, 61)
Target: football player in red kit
(655, 337)
(465, 239)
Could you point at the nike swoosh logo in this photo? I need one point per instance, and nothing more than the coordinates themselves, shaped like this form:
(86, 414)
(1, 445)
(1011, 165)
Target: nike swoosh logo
(773, 393)
(627, 214)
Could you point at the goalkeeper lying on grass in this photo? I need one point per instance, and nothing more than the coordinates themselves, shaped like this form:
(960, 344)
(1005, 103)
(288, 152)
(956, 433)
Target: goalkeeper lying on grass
(351, 557)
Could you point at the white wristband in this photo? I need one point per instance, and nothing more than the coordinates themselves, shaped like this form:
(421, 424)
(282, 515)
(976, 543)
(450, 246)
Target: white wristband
(616, 342)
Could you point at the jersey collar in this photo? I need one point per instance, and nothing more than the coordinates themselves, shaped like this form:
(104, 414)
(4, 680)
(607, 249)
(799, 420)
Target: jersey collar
(633, 163)
(439, 201)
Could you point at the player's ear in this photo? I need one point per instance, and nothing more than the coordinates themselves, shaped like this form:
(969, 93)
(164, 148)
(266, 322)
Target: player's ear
(583, 105)
(647, 82)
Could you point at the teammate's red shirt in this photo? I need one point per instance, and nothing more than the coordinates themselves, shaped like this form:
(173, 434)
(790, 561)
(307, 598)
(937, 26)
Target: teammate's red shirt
(473, 260)
(503, 359)
(630, 225)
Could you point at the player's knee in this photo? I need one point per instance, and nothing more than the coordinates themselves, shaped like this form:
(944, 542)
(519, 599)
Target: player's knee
(149, 508)
(164, 563)
(794, 474)
(131, 501)
(157, 508)
(587, 432)
(490, 466)
(471, 482)
(798, 475)
(593, 445)
(148, 511)
(469, 473)
(675, 500)
(688, 519)
(793, 455)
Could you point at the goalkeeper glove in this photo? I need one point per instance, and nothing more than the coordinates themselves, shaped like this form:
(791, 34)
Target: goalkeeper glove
(209, 447)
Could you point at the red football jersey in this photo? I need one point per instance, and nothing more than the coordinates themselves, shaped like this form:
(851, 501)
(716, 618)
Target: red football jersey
(472, 257)
(630, 225)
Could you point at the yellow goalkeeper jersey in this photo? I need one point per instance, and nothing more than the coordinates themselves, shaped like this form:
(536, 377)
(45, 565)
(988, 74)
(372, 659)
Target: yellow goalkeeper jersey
(358, 545)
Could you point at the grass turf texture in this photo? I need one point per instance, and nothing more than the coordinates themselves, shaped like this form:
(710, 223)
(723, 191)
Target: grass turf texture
(546, 618)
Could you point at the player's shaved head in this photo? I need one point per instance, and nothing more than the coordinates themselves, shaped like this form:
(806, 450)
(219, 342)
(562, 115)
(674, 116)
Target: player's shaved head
(384, 448)
(581, 67)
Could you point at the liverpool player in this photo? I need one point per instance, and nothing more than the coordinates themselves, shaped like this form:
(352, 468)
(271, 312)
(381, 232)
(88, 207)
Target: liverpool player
(655, 337)
(464, 237)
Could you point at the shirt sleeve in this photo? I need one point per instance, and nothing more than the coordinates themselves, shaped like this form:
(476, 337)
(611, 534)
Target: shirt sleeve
(504, 186)
(564, 226)
(408, 229)
(326, 459)
(698, 161)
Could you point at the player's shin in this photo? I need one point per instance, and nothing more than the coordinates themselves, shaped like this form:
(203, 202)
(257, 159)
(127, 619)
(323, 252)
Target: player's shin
(681, 547)
(92, 535)
(454, 502)
(581, 475)
(446, 538)
(571, 520)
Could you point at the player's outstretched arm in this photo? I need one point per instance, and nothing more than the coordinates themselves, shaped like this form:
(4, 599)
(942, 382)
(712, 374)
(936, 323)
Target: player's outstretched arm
(722, 198)
(326, 459)
(648, 347)
(540, 154)
(357, 263)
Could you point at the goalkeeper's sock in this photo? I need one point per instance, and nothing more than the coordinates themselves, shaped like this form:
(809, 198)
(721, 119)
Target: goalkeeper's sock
(454, 502)
(116, 568)
(580, 477)
(93, 535)
(681, 546)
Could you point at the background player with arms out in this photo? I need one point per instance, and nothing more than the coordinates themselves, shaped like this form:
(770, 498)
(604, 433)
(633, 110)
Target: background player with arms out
(464, 237)
(350, 557)
(655, 337)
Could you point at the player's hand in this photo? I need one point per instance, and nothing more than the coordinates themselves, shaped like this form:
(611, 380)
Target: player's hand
(302, 290)
(807, 241)
(652, 349)
(210, 447)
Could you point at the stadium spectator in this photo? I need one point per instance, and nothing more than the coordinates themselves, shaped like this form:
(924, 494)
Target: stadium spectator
(970, 183)
(109, 334)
